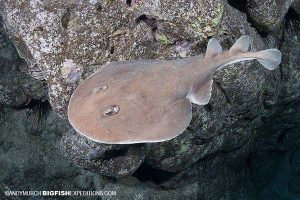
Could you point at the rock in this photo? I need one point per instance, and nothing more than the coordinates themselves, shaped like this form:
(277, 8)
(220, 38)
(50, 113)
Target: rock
(51, 40)
(252, 111)
(98, 182)
(212, 177)
(62, 33)
(4, 166)
(11, 96)
(208, 132)
(109, 160)
(31, 161)
(16, 87)
(190, 20)
(268, 14)
(296, 6)
(176, 154)
(83, 182)
(291, 60)
(147, 192)
(69, 41)
(7, 49)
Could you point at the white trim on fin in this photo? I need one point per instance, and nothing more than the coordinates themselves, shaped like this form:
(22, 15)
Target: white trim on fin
(202, 95)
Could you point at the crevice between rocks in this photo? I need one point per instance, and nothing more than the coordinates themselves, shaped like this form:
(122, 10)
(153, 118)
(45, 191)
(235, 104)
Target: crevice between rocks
(36, 116)
(223, 91)
(292, 21)
(128, 2)
(241, 5)
(147, 173)
(238, 4)
(111, 154)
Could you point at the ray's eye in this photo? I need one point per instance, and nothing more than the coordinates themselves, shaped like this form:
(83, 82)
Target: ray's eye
(111, 110)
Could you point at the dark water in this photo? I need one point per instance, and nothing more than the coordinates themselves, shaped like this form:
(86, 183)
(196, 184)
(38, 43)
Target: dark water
(275, 166)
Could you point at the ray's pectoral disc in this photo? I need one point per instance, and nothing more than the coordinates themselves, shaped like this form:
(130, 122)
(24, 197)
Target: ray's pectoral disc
(122, 105)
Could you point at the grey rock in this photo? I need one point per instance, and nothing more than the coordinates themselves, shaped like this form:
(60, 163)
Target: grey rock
(31, 161)
(109, 160)
(83, 181)
(63, 33)
(211, 128)
(7, 49)
(296, 6)
(268, 14)
(149, 191)
(192, 20)
(68, 40)
(17, 88)
(251, 110)
(291, 60)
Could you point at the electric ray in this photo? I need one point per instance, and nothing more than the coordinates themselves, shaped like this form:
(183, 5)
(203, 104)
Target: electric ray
(150, 100)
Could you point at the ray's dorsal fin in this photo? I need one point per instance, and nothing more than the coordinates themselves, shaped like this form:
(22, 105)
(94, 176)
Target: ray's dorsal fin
(213, 48)
(202, 95)
(241, 45)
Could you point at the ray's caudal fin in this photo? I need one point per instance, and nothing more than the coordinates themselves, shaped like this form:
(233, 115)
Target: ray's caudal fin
(269, 58)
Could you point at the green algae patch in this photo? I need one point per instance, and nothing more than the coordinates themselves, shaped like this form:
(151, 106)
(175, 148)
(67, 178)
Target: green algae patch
(163, 39)
(204, 27)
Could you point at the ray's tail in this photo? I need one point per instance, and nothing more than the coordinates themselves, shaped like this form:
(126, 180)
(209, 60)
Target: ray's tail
(215, 58)
(269, 58)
